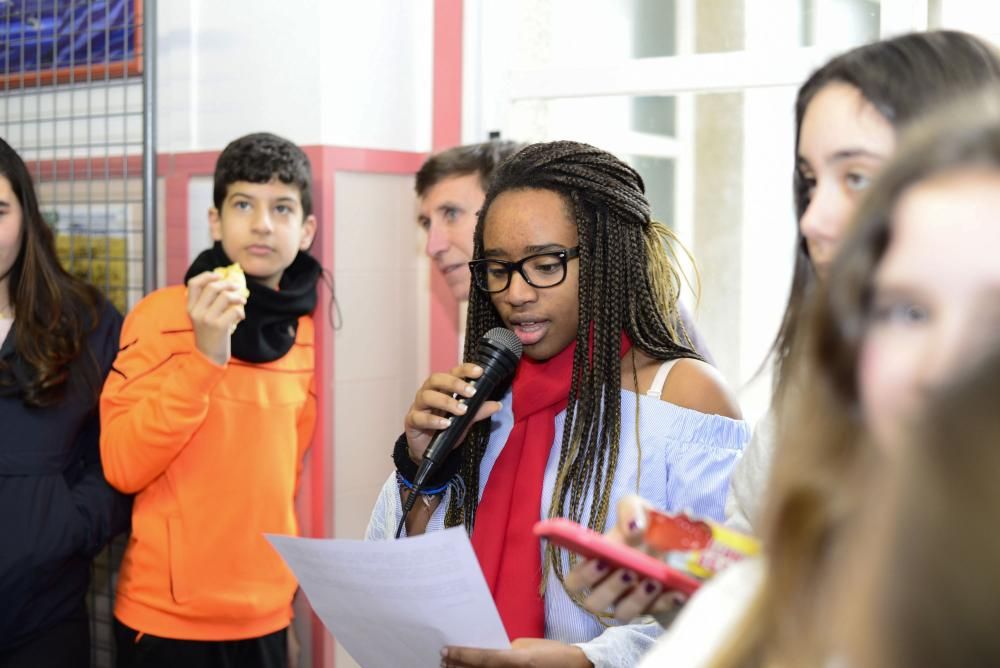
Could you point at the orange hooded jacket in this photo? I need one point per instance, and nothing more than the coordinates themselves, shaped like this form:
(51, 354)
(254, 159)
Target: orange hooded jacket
(213, 454)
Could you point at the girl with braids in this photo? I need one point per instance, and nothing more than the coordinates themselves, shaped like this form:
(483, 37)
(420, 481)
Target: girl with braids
(847, 116)
(607, 400)
(59, 338)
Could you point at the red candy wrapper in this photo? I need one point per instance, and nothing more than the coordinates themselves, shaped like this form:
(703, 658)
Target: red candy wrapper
(698, 547)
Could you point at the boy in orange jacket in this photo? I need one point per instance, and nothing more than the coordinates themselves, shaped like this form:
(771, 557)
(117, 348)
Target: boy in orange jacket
(206, 417)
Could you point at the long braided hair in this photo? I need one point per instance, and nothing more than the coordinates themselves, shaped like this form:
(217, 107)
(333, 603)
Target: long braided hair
(629, 281)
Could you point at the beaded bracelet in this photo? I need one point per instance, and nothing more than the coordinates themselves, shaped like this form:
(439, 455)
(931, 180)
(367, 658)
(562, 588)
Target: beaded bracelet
(425, 492)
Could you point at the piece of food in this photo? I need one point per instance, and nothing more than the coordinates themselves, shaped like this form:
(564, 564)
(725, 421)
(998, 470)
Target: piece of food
(234, 275)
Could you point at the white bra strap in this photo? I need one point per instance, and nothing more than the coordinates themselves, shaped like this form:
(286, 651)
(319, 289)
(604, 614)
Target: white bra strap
(656, 388)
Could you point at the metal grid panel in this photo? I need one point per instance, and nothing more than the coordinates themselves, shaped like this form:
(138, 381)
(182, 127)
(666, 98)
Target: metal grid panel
(72, 101)
(77, 122)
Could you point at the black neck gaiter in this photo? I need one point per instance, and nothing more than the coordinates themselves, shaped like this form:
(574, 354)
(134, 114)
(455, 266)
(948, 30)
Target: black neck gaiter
(272, 315)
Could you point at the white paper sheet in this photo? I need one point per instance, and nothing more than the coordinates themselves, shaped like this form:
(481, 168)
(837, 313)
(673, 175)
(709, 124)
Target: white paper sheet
(397, 603)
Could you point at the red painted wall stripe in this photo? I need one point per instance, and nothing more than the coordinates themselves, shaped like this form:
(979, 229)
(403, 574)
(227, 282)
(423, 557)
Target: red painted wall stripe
(321, 457)
(447, 132)
(447, 74)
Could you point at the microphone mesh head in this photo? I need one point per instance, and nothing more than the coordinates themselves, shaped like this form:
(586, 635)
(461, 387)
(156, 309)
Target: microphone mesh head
(504, 338)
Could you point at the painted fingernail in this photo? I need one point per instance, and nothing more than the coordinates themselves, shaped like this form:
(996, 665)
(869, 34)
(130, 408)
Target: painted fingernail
(469, 390)
(601, 566)
(626, 577)
(444, 422)
(678, 599)
(651, 587)
(638, 522)
(461, 408)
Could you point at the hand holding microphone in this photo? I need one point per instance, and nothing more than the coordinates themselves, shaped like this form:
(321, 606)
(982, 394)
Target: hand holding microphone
(447, 404)
(441, 398)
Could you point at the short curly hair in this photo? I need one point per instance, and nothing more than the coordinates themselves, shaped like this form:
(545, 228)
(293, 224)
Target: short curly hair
(260, 158)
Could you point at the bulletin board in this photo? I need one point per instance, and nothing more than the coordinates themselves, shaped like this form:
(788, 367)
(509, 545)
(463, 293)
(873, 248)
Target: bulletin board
(59, 41)
(98, 230)
(92, 244)
(98, 259)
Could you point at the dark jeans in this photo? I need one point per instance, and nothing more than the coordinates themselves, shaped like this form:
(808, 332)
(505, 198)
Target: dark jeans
(146, 651)
(67, 644)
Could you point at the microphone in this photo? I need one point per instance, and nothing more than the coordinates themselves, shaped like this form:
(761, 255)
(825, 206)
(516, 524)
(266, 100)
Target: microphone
(497, 354)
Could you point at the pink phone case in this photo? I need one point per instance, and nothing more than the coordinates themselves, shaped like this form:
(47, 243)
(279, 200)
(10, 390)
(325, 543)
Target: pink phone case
(592, 545)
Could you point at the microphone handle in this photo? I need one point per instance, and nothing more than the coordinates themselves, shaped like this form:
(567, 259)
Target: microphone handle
(441, 445)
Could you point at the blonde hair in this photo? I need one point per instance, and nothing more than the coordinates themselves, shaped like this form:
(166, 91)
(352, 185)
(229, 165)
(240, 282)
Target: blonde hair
(925, 585)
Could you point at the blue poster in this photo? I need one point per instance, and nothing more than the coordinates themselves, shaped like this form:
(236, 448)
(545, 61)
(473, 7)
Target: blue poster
(54, 34)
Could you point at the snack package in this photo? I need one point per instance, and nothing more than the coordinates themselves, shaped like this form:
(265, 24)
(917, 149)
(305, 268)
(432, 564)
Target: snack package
(234, 274)
(700, 548)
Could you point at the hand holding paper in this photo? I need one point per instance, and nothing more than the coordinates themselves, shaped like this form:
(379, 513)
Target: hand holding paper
(397, 603)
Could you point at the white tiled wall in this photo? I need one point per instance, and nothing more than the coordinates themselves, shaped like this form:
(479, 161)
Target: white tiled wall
(381, 350)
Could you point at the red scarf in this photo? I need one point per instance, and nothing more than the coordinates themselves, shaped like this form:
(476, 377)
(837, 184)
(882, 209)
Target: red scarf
(508, 552)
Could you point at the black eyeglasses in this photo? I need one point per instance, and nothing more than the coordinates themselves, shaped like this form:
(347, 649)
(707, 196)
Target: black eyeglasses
(542, 270)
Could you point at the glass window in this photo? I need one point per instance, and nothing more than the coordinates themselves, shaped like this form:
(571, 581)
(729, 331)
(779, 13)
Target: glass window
(699, 96)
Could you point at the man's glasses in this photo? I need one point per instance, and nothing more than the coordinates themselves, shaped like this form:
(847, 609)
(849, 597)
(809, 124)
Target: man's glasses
(542, 270)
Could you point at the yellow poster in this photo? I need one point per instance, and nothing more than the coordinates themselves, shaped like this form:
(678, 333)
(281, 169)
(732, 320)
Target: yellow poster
(89, 252)
(98, 259)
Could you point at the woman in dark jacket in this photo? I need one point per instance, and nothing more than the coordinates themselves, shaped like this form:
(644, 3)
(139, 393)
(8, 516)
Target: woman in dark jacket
(59, 338)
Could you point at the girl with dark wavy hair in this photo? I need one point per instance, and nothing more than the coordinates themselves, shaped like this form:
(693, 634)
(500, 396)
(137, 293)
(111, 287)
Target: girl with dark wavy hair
(912, 302)
(59, 338)
(607, 399)
(847, 117)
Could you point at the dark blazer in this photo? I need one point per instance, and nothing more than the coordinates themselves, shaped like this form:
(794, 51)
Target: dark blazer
(56, 509)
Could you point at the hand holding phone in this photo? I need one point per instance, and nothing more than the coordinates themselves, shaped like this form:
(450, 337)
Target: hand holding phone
(592, 545)
(676, 553)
